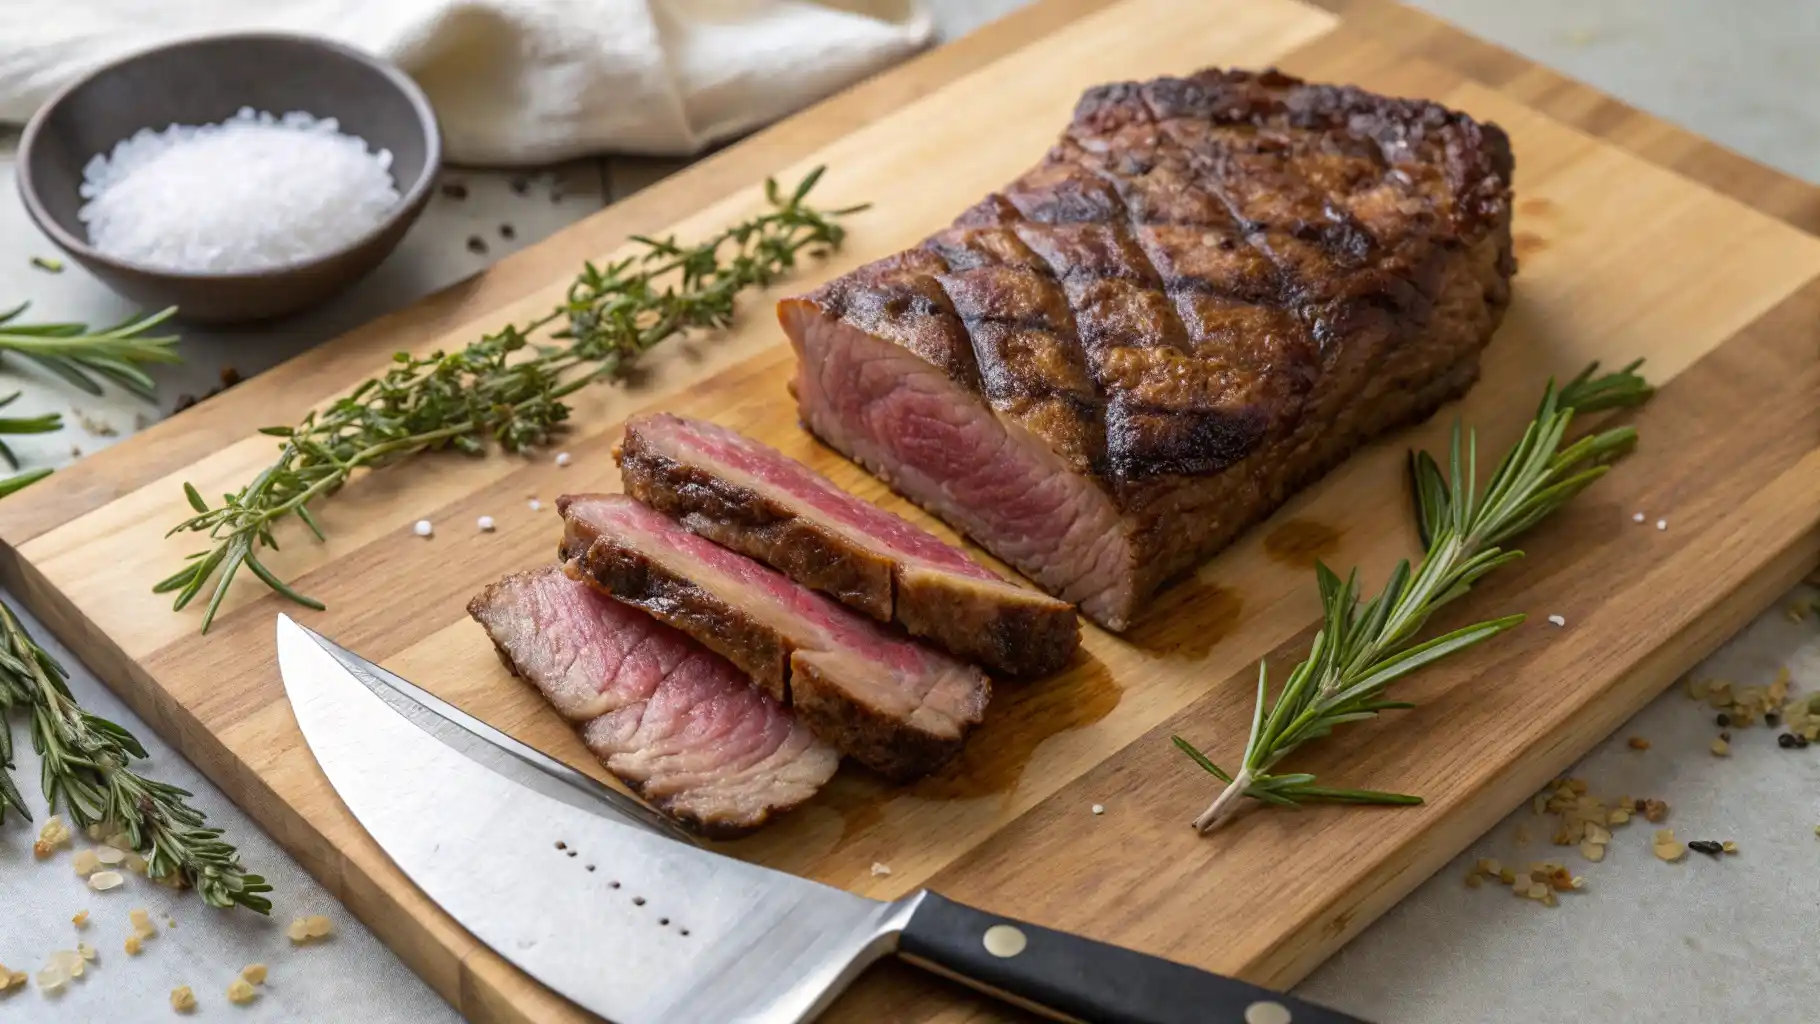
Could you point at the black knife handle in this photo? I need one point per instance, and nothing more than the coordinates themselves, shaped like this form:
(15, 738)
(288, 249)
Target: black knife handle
(1073, 978)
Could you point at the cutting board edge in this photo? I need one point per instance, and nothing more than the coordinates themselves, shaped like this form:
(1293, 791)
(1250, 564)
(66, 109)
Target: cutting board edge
(482, 982)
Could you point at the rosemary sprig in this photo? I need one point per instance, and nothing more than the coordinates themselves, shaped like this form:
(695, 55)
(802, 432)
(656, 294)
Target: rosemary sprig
(84, 357)
(86, 771)
(1361, 650)
(502, 388)
(44, 424)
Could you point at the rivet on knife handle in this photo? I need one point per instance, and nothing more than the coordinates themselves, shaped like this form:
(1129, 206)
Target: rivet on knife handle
(1074, 978)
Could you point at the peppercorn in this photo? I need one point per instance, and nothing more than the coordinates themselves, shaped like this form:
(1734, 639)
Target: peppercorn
(520, 186)
(1707, 846)
(508, 232)
(455, 190)
(1724, 719)
(1772, 719)
(1786, 741)
(477, 245)
(1726, 736)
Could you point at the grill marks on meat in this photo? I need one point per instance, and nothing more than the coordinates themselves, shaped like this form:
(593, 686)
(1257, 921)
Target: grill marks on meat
(676, 722)
(765, 505)
(1208, 293)
(896, 706)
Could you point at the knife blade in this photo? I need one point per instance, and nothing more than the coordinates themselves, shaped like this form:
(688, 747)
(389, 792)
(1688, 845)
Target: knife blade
(634, 922)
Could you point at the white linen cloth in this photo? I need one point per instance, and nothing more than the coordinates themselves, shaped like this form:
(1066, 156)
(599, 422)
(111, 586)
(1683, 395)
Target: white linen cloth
(518, 81)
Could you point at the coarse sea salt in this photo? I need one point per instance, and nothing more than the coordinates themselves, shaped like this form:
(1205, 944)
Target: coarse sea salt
(254, 192)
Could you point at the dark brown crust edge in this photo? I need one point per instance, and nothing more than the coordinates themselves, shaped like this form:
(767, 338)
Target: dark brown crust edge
(1013, 635)
(711, 828)
(876, 741)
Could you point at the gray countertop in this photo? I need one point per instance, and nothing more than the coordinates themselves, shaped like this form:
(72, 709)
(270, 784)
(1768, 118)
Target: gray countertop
(1695, 941)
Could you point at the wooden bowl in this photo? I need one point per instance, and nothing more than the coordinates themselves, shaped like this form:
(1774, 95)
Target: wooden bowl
(203, 81)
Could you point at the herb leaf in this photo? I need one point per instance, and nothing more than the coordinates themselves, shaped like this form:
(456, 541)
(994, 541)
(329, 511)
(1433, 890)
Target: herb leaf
(87, 773)
(502, 388)
(1361, 650)
(84, 358)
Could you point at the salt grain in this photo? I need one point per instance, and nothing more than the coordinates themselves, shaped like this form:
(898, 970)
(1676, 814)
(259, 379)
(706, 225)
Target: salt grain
(536, 505)
(254, 192)
(1099, 808)
(563, 459)
(1661, 524)
(879, 869)
(1557, 620)
(1637, 518)
(101, 881)
(485, 523)
(423, 528)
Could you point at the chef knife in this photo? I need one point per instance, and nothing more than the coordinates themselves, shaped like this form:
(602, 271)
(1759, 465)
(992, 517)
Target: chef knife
(606, 902)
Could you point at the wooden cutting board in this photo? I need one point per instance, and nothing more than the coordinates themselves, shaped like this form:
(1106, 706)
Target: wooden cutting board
(1636, 239)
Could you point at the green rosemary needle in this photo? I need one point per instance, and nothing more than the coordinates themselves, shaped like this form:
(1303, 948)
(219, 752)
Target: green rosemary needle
(43, 424)
(1361, 650)
(84, 357)
(86, 772)
(502, 388)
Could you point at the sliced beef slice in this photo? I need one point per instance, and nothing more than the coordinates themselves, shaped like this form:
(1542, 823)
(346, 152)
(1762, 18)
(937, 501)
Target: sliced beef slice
(1209, 292)
(679, 724)
(894, 705)
(765, 505)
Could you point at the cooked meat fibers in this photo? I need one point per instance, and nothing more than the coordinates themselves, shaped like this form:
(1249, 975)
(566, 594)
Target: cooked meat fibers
(673, 720)
(765, 505)
(1210, 292)
(896, 706)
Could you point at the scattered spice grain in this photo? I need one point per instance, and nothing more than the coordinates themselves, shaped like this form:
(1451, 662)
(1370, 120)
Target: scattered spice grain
(240, 992)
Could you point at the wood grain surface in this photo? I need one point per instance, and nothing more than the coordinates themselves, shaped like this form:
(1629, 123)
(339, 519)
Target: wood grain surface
(1635, 239)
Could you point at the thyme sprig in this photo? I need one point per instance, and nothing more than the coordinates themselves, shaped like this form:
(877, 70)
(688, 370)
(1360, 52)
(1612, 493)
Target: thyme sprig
(87, 771)
(1362, 649)
(503, 388)
(84, 357)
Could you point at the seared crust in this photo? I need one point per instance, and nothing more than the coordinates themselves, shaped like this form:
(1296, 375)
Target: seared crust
(1157, 295)
(1210, 291)
(1005, 628)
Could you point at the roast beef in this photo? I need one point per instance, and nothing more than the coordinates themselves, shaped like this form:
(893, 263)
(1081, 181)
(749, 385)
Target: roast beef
(764, 504)
(676, 722)
(893, 704)
(1209, 292)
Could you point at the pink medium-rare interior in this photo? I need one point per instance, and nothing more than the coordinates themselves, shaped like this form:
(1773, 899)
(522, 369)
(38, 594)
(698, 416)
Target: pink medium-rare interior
(662, 712)
(766, 464)
(796, 610)
(943, 448)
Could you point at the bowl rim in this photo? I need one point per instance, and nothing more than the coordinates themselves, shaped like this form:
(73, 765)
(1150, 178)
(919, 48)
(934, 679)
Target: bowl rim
(410, 201)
